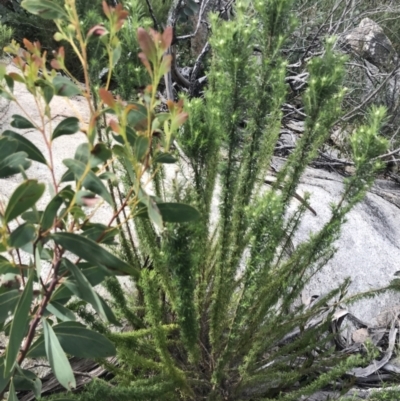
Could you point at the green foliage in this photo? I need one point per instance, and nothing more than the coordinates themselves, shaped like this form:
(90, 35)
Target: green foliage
(37, 317)
(216, 298)
(6, 33)
(213, 312)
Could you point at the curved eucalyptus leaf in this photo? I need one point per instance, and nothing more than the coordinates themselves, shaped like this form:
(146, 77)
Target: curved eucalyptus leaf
(25, 145)
(22, 235)
(56, 356)
(46, 9)
(77, 340)
(20, 122)
(85, 290)
(8, 301)
(69, 126)
(93, 252)
(23, 198)
(25, 380)
(90, 181)
(19, 325)
(61, 312)
(65, 87)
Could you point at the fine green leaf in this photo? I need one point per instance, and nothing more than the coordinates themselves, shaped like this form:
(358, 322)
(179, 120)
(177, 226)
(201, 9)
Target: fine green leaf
(92, 252)
(23, 198)
(20, 122)
(22, 235)
(85, 290)
(25, 145)
(46, 9)
(56, 356)
(141, 146)
(77, 340)
(109, 313)
(178, 212)
(68, 126)
(8, 300)
(19, 325)
(65, 87)
(91, 181)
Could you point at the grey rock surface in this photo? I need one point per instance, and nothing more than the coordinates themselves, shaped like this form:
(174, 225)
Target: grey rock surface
(370, 42)
(368, 250)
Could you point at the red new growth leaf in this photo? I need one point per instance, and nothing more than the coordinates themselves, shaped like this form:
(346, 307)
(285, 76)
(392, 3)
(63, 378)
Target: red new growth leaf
(107, 97)
(28, 44)
(146, 44)
(121, 16)
(55, 64)
(97, 30)
(106, 9)
(146, 63)
(167, 37)
(115, 126)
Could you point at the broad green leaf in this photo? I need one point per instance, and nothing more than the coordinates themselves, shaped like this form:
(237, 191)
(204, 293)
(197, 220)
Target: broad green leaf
(137, 118)
(116, 52)
(4, 379)
(130, 136)
(92, 252)
(65, 87)
(68, 126)
(10, 82)
(23, 198)
(50, 212)
(166, 158)
(61, 312)
(32, 216)
(95, 274)
(25, 380)
(152, 208)
(19, 325)
(20, 122)
(56, 356)
(8, 146)
(141, 147)
(12, 395)
(99, 154)
(8, 300)
(13, 164)
(4, 94)
(46, 9)
(85, 290)
(22, 235)
(91, 181)
(24, 145)
(77, 340)
(99, 233)
(177, 212)
(48, 93)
